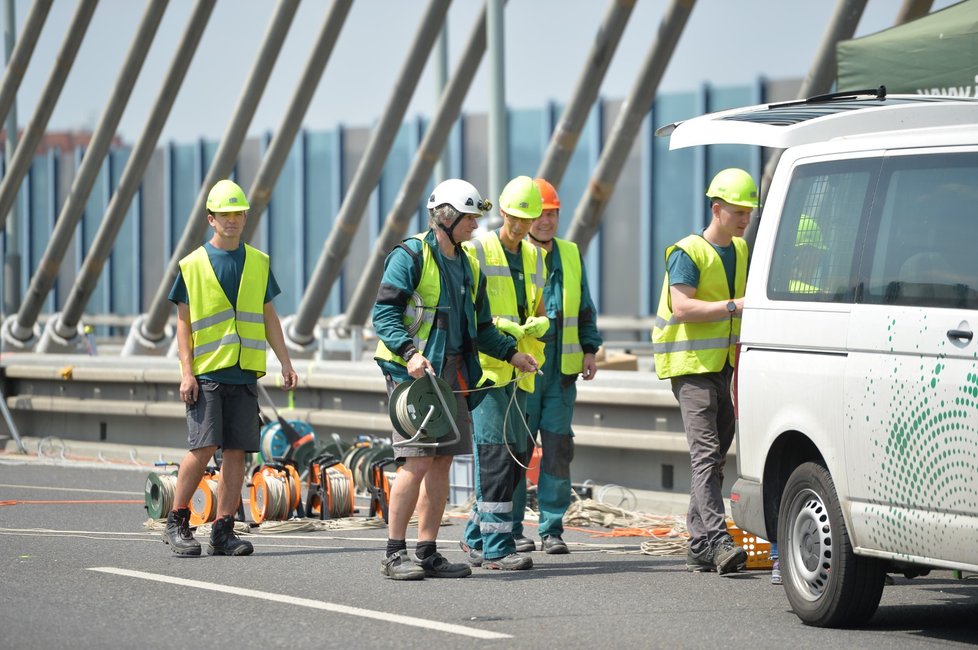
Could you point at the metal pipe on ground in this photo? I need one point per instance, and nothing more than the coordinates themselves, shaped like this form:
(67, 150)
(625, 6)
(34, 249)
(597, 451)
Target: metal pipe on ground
(300, 328)
(45, 106)
(589, 212)
(278, 151)
(148, 333)
(417, 177)
(821, 75)
(61, 332)
(20, 57)
(568, 130)
(81, 187)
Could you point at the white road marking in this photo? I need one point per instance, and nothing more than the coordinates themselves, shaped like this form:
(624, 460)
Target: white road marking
(312, 604)
(68, 489)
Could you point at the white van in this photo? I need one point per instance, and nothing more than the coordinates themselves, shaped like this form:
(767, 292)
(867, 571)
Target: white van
(857, 375)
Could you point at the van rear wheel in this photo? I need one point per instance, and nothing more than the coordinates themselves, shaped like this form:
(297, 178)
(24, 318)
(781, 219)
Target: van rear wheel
(826, 583)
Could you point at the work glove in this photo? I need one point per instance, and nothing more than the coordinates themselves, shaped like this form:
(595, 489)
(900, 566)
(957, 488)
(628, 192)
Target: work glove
(536, 326)
(507, 326)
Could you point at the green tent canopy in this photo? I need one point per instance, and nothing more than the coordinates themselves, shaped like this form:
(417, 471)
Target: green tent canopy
(933, 55)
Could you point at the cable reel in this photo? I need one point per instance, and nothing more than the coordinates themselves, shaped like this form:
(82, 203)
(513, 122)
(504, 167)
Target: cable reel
(160, 491)
(423, 412)
(361, 456)
(275, 491)
(329, 492)
(382, 473)
(288, 440)
(203, 504)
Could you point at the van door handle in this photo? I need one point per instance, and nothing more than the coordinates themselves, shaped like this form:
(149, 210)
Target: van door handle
(967, 335)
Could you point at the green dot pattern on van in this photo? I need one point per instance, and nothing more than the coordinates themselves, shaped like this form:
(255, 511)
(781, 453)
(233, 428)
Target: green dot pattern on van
(926, 464)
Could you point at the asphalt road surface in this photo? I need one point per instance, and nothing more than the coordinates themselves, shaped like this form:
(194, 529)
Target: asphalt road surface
(80, 569)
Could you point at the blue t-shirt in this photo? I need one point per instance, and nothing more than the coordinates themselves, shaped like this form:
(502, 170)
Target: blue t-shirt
(682, 269)
(453, 304)
(228, 267)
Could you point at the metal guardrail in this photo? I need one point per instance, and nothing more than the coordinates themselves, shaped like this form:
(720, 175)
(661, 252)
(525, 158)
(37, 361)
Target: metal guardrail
(627, 424)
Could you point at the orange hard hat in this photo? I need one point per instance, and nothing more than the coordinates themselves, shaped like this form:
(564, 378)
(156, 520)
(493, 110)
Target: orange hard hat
(549, 195)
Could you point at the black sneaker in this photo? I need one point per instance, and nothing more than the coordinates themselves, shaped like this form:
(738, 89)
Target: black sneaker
(553, 545)
(400, 567)
(524, 544)
(177, 533)
(702, 562)
(437, 566)
(474, 554)
(512, 562)
(730, 558)
(224, 541)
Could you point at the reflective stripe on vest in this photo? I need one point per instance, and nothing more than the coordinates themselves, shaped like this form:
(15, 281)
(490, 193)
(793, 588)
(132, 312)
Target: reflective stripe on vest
(429, 288)
(571, 352)
(694, 348)
(224, 336)
(502, 301)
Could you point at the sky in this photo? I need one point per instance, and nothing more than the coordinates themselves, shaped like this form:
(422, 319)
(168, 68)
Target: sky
(725, 43)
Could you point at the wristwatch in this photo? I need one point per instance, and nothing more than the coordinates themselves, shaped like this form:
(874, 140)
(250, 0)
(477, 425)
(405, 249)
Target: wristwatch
(731, 306)
(410, 353)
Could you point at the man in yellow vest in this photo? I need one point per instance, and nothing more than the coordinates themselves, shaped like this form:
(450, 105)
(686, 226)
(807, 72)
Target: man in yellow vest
(516, 275)
(432, 314)
(223, 293)
(571, 342)
(694, 339)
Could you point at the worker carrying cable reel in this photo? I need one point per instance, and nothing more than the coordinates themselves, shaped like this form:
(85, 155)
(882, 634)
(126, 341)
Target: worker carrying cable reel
(423, 410)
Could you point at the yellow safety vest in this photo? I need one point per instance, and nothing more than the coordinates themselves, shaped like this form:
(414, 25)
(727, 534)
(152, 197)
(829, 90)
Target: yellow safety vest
(695, 348)
(571, 352)
(429, 290)
(222, 335)
(491, 257)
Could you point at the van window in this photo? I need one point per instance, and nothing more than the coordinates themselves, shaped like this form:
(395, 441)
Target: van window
(814, 251)
(925, 248)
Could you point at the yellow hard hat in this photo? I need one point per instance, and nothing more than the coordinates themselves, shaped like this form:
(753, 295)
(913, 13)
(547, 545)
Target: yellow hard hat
(226, 196)
(809, 233)
(734, 186)
(521, 198)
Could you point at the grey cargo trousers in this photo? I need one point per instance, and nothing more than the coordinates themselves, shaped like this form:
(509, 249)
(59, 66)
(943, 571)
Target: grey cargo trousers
(706, 404)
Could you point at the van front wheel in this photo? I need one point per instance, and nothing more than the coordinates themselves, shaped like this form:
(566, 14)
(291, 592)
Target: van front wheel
(826, 583)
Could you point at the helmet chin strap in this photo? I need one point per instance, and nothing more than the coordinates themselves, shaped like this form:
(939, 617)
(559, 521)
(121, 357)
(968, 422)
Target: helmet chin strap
(539, 241)
(448, 231)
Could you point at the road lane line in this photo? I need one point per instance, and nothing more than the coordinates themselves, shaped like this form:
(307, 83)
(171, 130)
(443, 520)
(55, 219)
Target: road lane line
(312, 604)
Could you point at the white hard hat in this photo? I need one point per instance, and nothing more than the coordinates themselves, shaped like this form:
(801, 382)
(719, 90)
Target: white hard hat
(459, 194)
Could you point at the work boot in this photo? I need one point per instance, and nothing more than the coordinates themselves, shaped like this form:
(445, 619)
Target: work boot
(702, 562)
(512, 562)
(729, 557)
(554, 545)
(437, 566)
(399, 566)
(474, 554)
(177, 533)
(524, 544)
(224, 541)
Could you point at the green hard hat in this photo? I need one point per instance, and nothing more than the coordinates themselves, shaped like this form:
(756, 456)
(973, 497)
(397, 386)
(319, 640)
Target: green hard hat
(521, 198)
(226, 196)
(734, 186)
(809, 233)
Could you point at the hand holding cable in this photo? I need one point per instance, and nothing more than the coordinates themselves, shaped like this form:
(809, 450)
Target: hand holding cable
(536, 326)
(524, 362)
